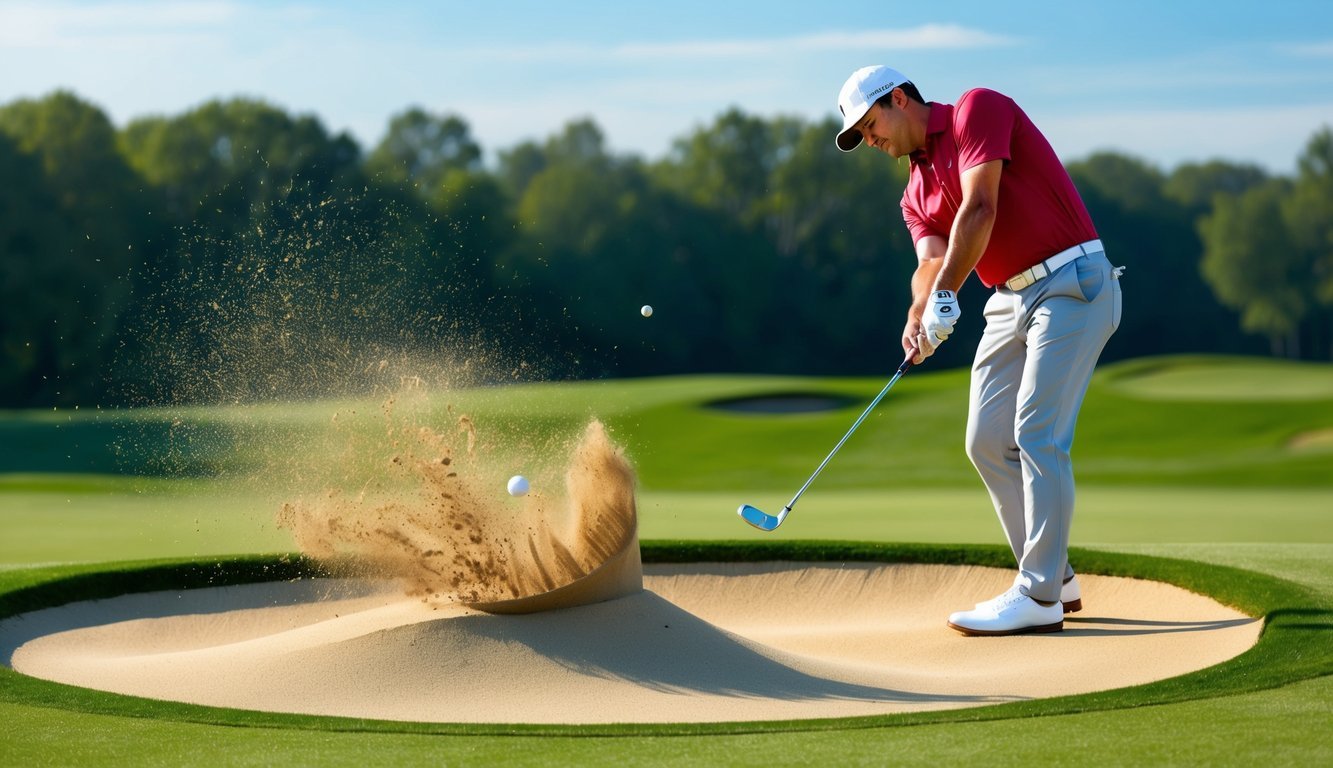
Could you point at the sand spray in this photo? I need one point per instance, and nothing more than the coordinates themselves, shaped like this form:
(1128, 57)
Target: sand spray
(437, 516)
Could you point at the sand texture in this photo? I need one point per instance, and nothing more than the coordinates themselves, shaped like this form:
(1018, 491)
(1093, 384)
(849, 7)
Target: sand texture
(699, 643)
(436, 521)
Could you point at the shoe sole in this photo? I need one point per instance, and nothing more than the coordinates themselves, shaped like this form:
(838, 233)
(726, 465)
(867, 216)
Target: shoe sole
(1040, 628)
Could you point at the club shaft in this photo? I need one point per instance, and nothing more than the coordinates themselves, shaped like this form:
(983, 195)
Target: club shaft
(907, 363)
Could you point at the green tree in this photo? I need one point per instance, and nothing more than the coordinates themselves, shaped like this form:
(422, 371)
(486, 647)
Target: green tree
(727, 166)
(1168, 306)
(32, 270)
(420, 149)
(1308, 212)
(74, 224)
(846, 254)
(289, 266)
(1194, 185)
(559, 264)
(217, 162)
(1129, 182)
(472, 227)
(599, 238)
(518, 166)
(1253, 265)
(579, 143)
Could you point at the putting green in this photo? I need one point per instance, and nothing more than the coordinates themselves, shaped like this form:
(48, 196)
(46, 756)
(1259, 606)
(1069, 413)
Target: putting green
(1221, 379)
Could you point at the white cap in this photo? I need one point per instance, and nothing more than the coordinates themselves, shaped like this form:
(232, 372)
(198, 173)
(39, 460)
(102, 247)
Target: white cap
(862, 89)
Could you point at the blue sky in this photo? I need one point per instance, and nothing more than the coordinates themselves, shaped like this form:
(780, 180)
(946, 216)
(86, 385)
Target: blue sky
(1166, 81)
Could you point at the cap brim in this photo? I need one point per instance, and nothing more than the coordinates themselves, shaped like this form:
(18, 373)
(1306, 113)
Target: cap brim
(849, 139)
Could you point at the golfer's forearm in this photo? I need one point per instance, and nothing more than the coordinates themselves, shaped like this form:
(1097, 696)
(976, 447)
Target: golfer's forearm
(967, 241)
(929, 262)
(922, 284)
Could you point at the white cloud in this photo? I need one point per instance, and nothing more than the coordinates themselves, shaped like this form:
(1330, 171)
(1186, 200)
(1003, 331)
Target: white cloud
(927, 36)
(1269, 136)
(924, 37)
(1318, 50)
(121, 25)
(129, 25)
(62, 25)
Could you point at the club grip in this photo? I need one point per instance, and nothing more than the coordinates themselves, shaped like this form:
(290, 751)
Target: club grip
(907, 362)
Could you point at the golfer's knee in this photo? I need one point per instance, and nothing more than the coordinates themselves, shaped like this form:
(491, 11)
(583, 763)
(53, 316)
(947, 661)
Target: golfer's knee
(1039, 449)
(986, 450)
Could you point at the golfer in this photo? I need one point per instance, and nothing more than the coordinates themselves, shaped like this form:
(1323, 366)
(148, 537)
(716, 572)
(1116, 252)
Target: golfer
(987, 194)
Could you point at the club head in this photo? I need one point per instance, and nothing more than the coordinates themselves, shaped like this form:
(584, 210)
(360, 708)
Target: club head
(759, 518)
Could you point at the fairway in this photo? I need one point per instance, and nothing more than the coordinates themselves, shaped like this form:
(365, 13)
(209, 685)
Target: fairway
(1210, 478)
(55, 526)
(1237, 381)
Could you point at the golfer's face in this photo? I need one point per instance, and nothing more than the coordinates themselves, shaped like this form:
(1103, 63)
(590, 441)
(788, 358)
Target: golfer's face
(883, 128)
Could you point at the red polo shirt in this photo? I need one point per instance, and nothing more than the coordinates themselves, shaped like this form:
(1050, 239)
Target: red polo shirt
(1039, 212)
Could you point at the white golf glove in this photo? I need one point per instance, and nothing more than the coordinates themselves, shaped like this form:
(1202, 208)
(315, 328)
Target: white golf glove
(938, 319)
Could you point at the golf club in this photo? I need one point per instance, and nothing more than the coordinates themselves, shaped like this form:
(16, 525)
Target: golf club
(766, 522)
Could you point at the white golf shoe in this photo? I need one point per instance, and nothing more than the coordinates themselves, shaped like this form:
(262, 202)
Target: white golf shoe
(1071, 596)
(987, 605)
(1010, 613)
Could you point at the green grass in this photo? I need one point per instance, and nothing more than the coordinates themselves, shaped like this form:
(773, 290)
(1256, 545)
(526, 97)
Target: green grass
(52, 518)
(1129, 434)
(1224, 461)
(1278, 728)
(1237, 380)
(68, 522)
(1106, 515)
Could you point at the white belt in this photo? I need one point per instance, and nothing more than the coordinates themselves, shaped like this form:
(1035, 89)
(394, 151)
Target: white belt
(1036, 272)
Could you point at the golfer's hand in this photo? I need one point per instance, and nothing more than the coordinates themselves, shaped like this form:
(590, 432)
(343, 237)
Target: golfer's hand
(937, 321)
(912, 341)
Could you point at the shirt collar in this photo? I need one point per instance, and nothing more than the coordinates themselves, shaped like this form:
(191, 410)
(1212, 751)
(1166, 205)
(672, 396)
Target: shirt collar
(941, 116)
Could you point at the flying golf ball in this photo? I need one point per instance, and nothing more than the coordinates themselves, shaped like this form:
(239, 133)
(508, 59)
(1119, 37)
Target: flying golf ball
(518, 485)
(646, 311)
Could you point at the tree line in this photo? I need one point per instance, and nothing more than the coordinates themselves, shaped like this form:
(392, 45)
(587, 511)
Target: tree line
(240, 251)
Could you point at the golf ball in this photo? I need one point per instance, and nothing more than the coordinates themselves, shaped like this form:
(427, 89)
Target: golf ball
(646, 311)
(518, 485)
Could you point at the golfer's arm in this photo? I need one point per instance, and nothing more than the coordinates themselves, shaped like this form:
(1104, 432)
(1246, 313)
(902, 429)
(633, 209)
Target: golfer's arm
(929, 260)
(971, 227)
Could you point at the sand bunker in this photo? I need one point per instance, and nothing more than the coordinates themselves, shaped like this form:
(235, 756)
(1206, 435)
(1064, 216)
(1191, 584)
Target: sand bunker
(700, 643)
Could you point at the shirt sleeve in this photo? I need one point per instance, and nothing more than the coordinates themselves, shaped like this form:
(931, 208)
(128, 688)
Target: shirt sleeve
(983, 126)
(916, 223)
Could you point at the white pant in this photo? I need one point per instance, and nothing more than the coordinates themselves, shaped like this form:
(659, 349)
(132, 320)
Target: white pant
(1029, 377)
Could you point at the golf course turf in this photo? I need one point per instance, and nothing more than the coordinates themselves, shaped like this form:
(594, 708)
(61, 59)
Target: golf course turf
(1184, 475)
